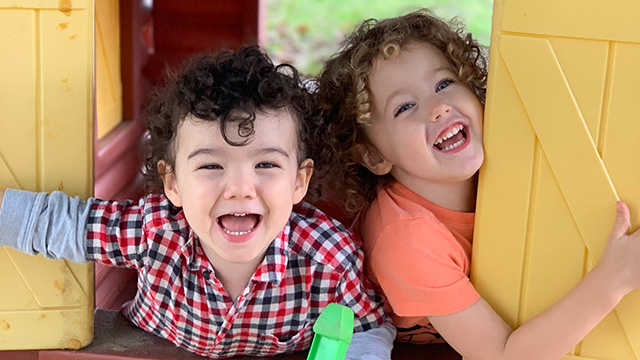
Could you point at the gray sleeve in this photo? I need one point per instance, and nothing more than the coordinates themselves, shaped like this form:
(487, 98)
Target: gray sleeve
(51, 224)
(373, 344)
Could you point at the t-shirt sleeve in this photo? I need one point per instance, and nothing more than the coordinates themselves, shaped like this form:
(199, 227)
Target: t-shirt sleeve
(422, 269)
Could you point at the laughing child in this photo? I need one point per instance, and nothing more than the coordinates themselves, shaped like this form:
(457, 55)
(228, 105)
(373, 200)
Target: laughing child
(403, 104)
(227, 263)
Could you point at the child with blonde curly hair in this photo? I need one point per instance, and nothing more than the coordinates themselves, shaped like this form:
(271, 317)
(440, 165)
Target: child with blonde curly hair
(403, 105)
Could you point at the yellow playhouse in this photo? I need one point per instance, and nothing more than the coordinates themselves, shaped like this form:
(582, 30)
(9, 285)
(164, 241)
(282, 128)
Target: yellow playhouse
(561, 139)
(46, 144)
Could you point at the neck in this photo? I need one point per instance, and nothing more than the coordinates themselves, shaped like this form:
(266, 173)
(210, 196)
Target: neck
(233, 276)
(459, 196)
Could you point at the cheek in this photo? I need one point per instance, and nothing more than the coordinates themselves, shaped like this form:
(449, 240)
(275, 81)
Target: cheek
(278, 190)
(198, 221)
(480, 127)
(478, 110)
(204, 182)
(380, 137)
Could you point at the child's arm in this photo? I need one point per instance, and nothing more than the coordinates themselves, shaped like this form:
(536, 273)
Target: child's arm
(373, 344)
(477, 332)
(334, 338)
(64, 227)
(51, 224)
(373, 332)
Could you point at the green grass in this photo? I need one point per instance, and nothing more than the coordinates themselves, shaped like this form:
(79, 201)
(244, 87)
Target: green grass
(306, 32)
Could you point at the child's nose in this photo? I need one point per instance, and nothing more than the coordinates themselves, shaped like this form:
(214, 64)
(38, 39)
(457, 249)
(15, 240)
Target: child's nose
(240, 185)
(439, 110)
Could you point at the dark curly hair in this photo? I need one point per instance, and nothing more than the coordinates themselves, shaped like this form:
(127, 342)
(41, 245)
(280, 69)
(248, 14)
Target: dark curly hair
(228, 87)
(343, 94)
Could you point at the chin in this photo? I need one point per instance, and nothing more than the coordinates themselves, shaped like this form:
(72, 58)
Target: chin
(475, 166)
(241, 259)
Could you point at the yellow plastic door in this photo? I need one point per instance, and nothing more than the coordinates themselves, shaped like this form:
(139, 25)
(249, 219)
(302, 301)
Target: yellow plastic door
(46, 143)
(108, 84)
(561, 140)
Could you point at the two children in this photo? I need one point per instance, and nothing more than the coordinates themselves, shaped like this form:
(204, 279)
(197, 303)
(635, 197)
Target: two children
(403, 104)
(225, 266)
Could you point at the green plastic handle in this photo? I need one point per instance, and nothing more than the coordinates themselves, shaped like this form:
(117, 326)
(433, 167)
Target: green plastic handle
(333, 332)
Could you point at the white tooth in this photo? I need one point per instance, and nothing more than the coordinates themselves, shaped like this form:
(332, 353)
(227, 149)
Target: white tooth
(453, 146)
(449, 134)
(236, 232)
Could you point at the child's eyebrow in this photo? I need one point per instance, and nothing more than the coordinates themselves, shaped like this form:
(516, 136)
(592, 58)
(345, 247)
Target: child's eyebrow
(391, 97)
(201, 151)
(261, 151)
(275, 149)
(443, 68)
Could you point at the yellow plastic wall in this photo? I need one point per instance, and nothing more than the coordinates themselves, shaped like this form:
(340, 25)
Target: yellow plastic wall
(561, 140)
(46, 143)
(108, 84)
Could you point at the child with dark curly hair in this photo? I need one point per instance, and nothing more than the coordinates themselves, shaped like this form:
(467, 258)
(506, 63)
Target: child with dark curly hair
(403, 103)
(227, 263)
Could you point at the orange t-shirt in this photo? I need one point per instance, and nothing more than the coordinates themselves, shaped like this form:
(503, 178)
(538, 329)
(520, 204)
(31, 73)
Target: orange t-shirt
(418, 254)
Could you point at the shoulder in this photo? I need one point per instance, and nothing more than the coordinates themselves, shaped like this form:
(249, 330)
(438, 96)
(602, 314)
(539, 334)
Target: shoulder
(318, 237)
(392, 214)
(424, 235)
(398, 203)
(151, 212)
(159, 213)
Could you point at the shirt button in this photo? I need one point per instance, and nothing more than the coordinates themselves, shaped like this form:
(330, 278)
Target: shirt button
(206, 274)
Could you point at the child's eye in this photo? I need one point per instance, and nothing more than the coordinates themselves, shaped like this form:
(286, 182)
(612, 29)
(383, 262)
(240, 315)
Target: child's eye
(402, 108)
(443, 84)
(210, 167)
(266, 165)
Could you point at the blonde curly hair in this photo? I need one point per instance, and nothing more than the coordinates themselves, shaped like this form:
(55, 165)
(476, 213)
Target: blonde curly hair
(343, 94)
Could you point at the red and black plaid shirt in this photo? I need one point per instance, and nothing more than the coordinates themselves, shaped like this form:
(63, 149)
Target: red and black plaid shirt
(314, 261)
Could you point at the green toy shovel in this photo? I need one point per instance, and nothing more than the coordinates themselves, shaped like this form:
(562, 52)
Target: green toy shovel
(333, 332)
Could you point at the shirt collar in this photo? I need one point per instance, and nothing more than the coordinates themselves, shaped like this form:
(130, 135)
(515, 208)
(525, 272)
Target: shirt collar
(193, 262)
(272, 269)
(274, 266)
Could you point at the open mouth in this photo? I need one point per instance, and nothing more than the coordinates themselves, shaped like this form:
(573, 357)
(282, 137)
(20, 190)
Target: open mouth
(451, 138)
(239, 223)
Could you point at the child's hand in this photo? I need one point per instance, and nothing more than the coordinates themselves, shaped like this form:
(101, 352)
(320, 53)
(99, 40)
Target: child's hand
(621, 257)
(477, 332)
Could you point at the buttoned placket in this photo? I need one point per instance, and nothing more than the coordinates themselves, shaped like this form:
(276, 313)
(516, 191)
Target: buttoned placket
(261, 275)
(235, 309)
(197, 261)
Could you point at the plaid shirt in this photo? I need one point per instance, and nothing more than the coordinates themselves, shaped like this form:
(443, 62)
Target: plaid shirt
(314, 261)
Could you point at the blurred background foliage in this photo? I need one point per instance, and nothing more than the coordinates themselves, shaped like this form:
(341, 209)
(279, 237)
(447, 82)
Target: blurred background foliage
(305, 33)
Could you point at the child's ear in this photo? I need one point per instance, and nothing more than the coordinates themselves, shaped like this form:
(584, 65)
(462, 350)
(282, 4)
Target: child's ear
(302, 180)
(170, 185)
(372, 159)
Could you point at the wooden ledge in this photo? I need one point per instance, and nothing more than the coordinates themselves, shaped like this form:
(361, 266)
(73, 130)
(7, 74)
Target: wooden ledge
(115, 338)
